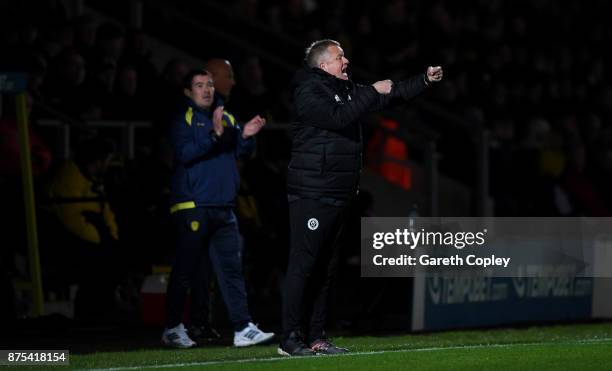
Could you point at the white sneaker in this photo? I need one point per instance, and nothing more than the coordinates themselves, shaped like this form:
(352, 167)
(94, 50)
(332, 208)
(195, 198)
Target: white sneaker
(251, 335)
(177, 337)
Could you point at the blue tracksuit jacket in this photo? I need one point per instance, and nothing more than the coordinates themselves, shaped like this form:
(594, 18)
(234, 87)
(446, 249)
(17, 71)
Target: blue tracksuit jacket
(205, 172)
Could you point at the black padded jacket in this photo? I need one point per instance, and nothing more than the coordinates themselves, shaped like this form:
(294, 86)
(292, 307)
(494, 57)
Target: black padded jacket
(326, 155)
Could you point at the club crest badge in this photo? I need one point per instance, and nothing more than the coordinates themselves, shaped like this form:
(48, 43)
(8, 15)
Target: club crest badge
(313, 224)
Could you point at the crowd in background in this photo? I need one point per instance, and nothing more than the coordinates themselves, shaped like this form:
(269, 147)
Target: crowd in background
(531, 72)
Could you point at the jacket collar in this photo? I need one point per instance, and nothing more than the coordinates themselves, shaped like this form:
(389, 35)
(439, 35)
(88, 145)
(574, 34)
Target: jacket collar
(319, 72)
(217, 101)
(306, 74)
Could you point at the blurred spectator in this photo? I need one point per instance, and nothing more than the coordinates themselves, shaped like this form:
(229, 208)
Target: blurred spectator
(64, 86)
(109, 42)
(127, 102)
(585, 198)
(85, 36)
(252, 96)
(137, 54)
(77, 191)
(168, 94)
(100, 87)
(365, 51)
(78, 200)
(10, 166)
(223, 75)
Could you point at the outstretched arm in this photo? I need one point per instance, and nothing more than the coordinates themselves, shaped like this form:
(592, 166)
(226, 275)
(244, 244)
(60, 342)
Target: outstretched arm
(406, 89)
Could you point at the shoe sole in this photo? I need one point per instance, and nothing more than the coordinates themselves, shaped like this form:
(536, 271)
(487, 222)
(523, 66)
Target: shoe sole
(177, 346)
(281, 352)
(253, 342)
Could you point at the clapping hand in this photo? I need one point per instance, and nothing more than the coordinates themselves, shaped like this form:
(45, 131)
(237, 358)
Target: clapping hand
(253, 126)
(218, 121)
(434, 74)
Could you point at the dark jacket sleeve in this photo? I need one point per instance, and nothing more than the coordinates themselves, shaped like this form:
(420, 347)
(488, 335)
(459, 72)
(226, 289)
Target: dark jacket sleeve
(316, 107)
(245, 147)
(402, 91)
(186, 145)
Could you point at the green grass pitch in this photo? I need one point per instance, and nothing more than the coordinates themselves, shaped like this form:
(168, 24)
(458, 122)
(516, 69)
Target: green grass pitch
(567, 347)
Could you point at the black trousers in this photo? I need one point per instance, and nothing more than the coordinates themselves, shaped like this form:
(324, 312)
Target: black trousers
(317, 228)
(207, 237)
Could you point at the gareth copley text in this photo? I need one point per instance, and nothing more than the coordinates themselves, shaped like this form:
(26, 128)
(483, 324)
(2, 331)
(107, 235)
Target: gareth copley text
(449, 261)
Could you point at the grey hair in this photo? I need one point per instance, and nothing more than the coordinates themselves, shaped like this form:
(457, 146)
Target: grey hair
(317, 50)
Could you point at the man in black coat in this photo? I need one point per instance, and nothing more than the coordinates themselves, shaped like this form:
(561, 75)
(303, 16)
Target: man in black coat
(322, 179)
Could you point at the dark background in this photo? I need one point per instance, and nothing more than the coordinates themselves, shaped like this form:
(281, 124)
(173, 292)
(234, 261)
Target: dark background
(520, 125)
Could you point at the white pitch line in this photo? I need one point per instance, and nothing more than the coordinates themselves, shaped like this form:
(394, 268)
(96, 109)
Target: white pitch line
(280, 358)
